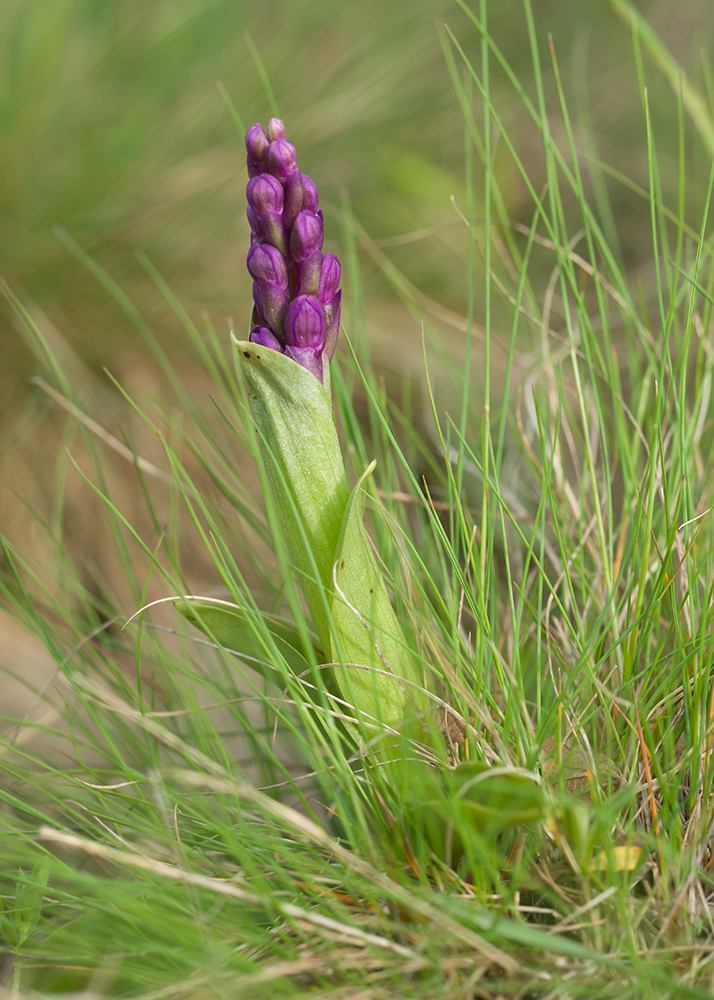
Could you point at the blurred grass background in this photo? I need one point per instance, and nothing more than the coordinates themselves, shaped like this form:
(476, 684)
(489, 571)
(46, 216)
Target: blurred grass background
(114, 130)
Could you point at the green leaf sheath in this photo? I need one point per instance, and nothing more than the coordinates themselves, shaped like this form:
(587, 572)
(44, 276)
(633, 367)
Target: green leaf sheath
(303, 463)
(323, 527)
(366, 627)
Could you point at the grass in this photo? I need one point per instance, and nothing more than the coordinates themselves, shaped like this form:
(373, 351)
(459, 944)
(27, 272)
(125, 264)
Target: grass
(175, 823)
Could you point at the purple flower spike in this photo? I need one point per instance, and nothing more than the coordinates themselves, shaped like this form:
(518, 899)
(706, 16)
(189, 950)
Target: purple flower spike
(282, 159)
(265, 337)
(266, 263)
(306, 235)
(276, 129)
(295, 287)
(330, 274)
(305, 323)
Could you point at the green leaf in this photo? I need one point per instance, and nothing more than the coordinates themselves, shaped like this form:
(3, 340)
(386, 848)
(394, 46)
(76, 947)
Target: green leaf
(474, 803)
(495, 798)
(323, 526)
(303, 464)
(366, 628)
(237, 631)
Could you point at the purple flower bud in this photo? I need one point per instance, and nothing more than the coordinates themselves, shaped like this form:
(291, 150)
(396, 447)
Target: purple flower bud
(332, 313)
(276, 129)
(265, 338)
(306, 236)
(294, 198)
(274, 231)
(265, 194)
(281, 159)
(308, 358)
(256, 142)
(271, 303)
(310, 198)
(305, 323)
(300, 194)
(308, 280)
(329, 278)
(266, 263)
(253, 223)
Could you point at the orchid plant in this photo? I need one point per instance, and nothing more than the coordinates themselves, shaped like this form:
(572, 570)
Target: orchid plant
(382, 691)
(285, 363)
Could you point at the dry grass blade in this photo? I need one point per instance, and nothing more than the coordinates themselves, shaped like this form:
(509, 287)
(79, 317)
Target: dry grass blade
(224, 888)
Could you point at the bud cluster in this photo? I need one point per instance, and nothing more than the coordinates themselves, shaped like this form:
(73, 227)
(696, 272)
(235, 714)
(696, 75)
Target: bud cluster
(295, 286)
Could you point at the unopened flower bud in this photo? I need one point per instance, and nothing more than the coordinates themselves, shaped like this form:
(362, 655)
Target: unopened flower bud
(274, 231)
(306, 236)
(282, 159)
(266, 263)
(271, 303)
(310, 198)
(308, 358)
(330, 274)
(276, 129)
(305, 323)
(300, 195)
(265, 194)
(265, 338)
(308, 281)
(256, 143)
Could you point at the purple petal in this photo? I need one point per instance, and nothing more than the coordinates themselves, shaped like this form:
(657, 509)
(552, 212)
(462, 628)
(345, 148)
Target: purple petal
(282, 159)
(276, 129)
(265, 194)
(329, 278)
(266, 263)
(305, 323)
(309, 359)
(309, 275)
(306, 236)
(265, 338)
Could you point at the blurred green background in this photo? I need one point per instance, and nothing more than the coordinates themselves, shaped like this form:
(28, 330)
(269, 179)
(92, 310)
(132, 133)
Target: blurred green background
(115, 131)
(113, 128)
